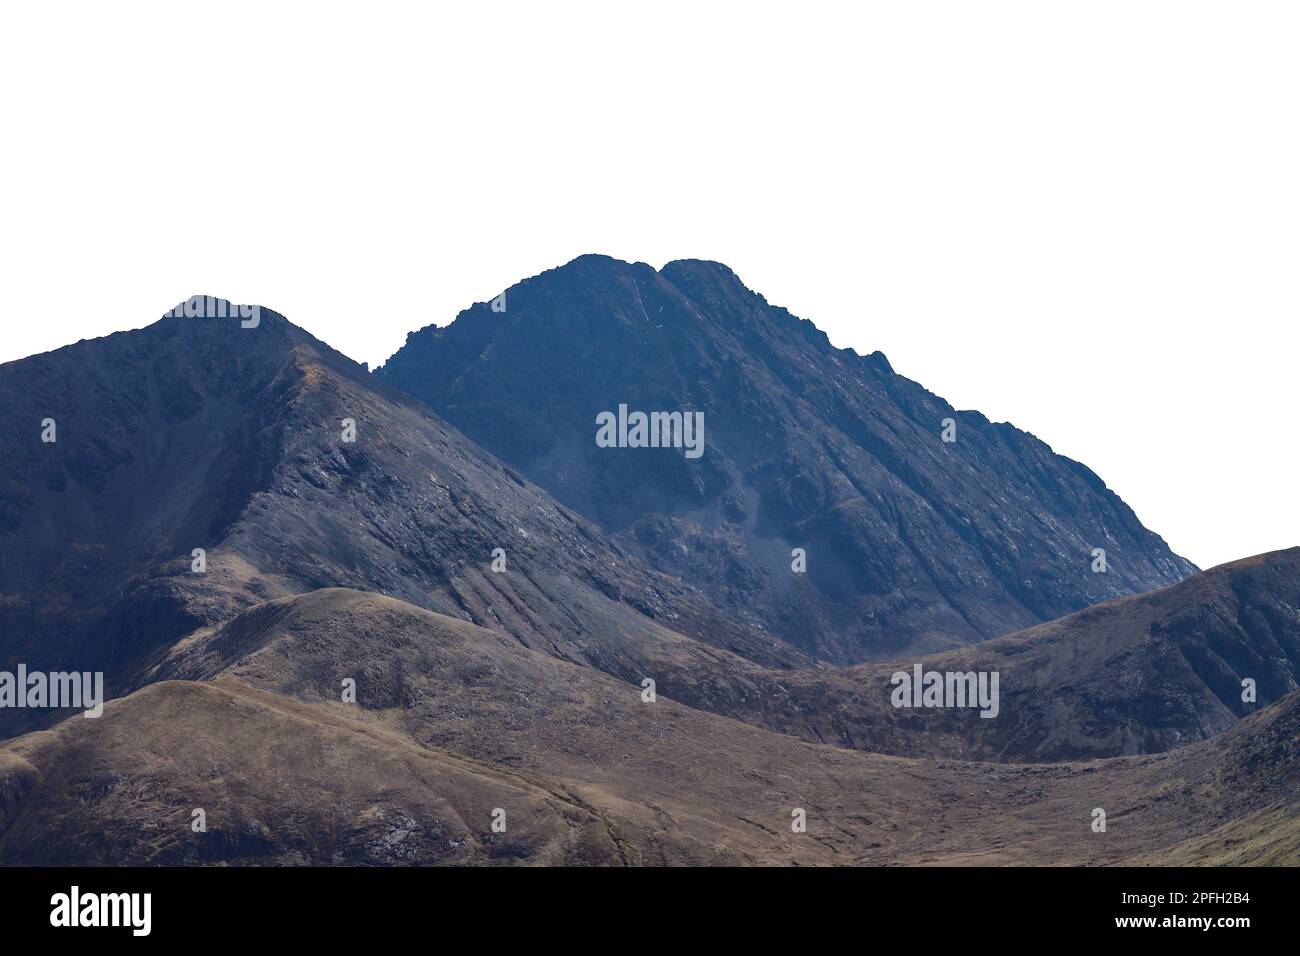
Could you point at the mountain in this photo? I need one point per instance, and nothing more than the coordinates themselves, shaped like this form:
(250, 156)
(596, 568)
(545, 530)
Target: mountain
(453, 723)
(911, 543)
(200, 433)
(350, 540)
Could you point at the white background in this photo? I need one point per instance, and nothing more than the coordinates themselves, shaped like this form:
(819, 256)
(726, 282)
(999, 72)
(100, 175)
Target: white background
(1083, 218)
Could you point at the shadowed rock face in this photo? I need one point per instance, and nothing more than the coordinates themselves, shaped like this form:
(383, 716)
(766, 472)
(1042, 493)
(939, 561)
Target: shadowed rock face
(911, 542)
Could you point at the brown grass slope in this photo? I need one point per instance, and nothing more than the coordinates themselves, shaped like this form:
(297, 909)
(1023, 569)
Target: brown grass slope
(1140, 674)
(452, 721)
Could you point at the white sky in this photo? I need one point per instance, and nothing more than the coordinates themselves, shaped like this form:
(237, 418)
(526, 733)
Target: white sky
(1082, 218)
